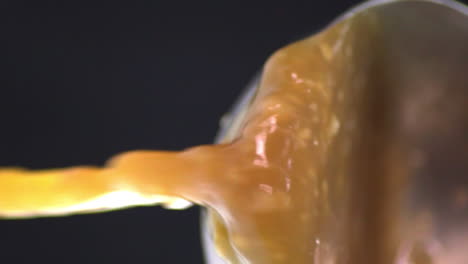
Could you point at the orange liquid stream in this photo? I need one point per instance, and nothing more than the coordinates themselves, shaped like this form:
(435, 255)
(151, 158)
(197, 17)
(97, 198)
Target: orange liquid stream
(285, 187)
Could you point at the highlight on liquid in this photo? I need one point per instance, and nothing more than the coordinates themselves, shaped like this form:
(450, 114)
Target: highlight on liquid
(334, 159)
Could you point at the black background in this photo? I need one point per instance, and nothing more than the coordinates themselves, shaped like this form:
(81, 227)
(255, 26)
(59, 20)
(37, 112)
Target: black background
(82, 83)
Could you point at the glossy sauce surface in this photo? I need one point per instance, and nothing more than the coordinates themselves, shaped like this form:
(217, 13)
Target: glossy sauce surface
(316, 171)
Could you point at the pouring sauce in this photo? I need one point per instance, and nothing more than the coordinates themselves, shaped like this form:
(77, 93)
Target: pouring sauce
(315, 170)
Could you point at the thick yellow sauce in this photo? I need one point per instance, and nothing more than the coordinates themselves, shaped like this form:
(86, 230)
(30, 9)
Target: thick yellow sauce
(312, 174)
